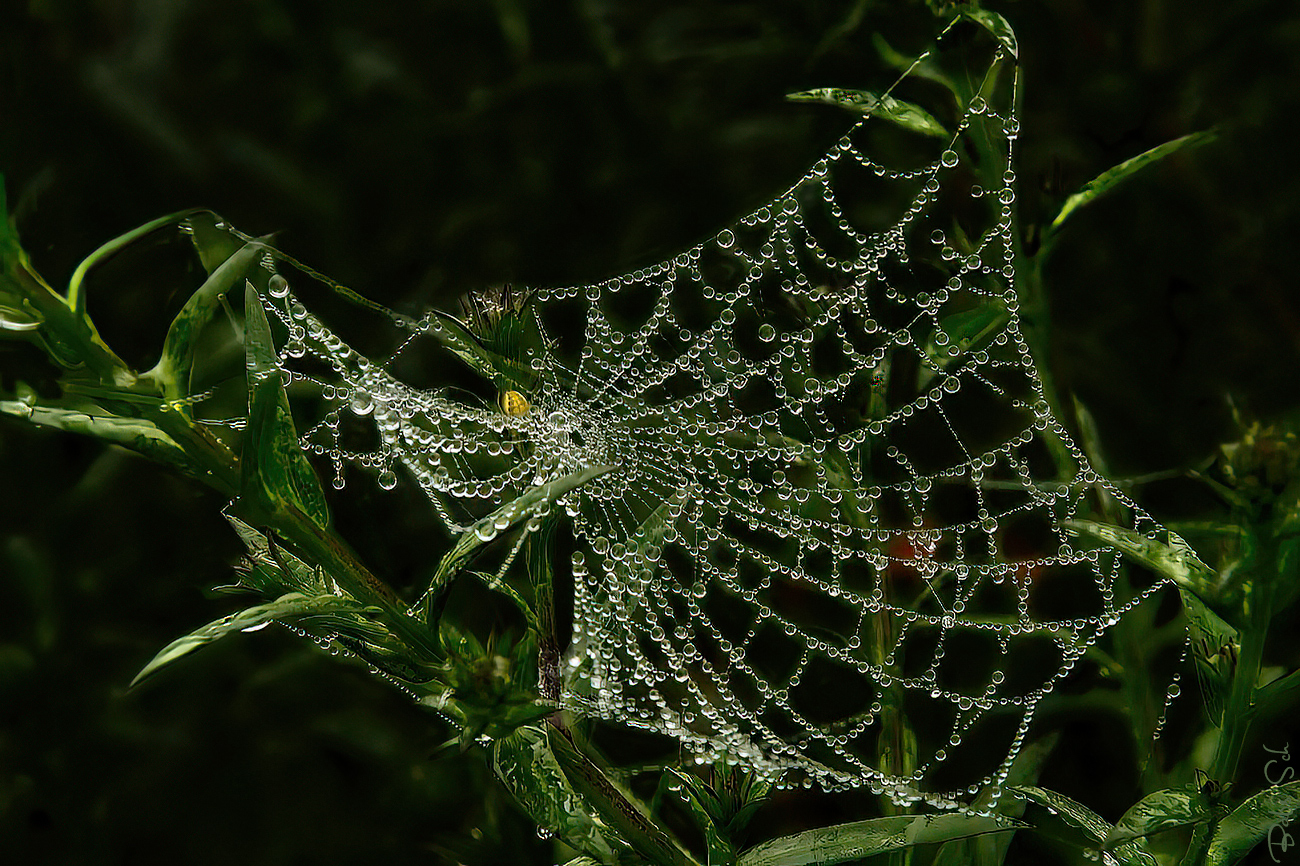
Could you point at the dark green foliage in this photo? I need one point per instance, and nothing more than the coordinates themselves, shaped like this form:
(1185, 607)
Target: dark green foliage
(424, 152)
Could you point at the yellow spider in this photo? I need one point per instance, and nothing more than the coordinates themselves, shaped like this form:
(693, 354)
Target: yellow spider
(514, 403)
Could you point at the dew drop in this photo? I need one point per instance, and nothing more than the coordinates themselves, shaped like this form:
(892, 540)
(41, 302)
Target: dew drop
(277, 286)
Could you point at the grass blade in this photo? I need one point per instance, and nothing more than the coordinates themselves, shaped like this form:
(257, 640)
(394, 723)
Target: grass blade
(275, 472)
(502, 520)
(286, 608)
(76, 298)
(847, 842)
(1116, 175)
(905, 114)
(172, 372)
(527, 767)
(1174, 559)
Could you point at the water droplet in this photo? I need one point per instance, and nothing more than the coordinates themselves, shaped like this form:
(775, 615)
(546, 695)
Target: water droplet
(388, 479)
(766, 333)
(948, 159)
(726, 238)
(277, 286)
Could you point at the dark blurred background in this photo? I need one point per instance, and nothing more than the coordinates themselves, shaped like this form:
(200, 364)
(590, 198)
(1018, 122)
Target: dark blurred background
(417, 151)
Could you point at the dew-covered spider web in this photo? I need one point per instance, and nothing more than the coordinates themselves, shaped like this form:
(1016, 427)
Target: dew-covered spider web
(833, 490)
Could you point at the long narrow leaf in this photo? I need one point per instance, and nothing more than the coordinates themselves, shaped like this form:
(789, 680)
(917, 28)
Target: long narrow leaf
(1174, 559)
(502, 520)
(76, 291)
(284, 609)
(172, 372)
(905, 114)
(1116, 175)
(1094, 827)
(275, 470)
(614, 807)
(847, 842)
(704, 807)
(1261, 817)
(1215, 644)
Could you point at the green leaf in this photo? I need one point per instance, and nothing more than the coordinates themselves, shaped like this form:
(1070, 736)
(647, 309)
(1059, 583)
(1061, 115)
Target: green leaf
(1253, 821)
(616, 808)
(526, 766)
(1174, 559)
(905, 114)
(1116, 175)
(172, 372)
(1094, 827)
(1279, 696)
(847, 842)
(286, 608)
(533, 502)
(1160, 811)
(76, 298)
(274, 569)
(503, 372)
(708, 812)
(212, 240)
(992, 849)
(1214, 646)
(1077, 815)
(275, 471)
(997, 25)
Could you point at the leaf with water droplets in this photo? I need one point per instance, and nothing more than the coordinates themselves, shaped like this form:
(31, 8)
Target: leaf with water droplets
(1254, 821)
(1160, 811)
(1094, 827)
(705, 807)
(483, 532)
(1174, 559)
(526, 766)
(274, 470)
(905, 114)
(616, 808)
(1214, 644)
(997, 25)
(286, 608)
(847, 842)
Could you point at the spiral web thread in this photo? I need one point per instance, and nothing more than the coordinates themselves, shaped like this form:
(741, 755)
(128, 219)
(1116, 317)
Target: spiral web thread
(838, 490)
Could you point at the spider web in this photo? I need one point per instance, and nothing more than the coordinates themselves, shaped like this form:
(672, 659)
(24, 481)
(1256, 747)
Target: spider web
(837, 488)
